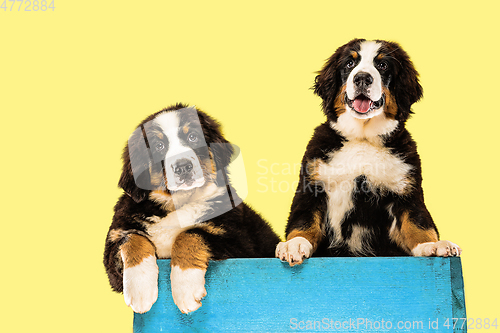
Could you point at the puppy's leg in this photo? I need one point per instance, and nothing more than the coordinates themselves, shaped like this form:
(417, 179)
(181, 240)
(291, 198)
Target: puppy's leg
(190, 255)
(140, 273)
(301, 243)
(420, 238)
(304, 230)
(441, 248)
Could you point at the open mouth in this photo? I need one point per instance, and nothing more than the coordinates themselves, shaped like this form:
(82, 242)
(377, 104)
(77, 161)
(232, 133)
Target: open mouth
(363, 105)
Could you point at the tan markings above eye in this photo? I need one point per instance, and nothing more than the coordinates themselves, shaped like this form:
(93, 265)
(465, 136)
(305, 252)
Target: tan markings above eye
(354, 54)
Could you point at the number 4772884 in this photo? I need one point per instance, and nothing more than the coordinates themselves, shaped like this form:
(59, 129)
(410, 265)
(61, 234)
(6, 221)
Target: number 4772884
(471, 323)
(27, 5)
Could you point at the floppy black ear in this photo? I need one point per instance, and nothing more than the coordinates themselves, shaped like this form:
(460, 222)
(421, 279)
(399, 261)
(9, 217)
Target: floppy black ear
(222, 153)
(406, 85)
(327, 85)
(135, 179)
(221, 149)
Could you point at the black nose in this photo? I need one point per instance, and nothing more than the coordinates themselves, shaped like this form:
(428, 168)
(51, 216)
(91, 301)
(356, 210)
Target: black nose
(363, 80)
(182, 166)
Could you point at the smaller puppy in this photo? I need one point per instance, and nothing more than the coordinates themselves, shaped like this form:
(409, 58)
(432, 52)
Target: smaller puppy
(360, 190)
(179, 204)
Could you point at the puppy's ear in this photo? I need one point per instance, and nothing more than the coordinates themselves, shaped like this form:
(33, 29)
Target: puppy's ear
(327, 85)
(406, 85)
(135, 179)
(222, 153)
(221, 149)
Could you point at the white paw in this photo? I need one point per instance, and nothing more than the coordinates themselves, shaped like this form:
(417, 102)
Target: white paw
(140, 285)
(442, 248)
(188, 288)
(294, 251)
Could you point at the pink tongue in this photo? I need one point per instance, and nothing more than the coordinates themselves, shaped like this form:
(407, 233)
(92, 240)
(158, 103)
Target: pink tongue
(362, 105)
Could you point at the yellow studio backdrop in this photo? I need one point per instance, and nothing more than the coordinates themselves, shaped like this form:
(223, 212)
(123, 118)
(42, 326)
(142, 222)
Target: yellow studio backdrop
(76, 79)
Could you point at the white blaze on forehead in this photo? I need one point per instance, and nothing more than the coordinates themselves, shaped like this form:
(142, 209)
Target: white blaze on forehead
(368, 51)
(169, 123)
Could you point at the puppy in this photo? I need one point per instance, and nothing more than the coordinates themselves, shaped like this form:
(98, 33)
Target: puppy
(360, 190)
(178, 203)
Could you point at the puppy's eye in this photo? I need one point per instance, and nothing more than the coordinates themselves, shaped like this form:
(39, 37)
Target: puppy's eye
(192, 137)
(382, 65)
(159, 146)
(349, 64)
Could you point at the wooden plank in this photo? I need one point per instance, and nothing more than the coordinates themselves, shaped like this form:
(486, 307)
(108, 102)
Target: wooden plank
(399, 294)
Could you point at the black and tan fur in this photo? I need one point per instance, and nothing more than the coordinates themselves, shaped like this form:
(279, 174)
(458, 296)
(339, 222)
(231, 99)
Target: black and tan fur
(360, 189)
(145, 228)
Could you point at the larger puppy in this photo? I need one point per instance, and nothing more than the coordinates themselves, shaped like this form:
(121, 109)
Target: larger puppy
(360, 188)
(178, 204)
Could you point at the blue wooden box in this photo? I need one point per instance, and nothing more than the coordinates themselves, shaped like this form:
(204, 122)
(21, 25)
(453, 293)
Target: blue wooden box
(400, 294)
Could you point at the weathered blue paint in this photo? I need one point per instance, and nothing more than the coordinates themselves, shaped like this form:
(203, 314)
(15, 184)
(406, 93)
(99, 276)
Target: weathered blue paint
(321, 295)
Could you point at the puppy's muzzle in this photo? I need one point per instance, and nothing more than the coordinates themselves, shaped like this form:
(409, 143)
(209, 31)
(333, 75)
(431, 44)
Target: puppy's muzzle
(362, 103)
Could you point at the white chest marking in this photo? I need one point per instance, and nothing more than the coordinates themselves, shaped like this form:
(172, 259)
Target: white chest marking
(354, 129)
(163, 234)
(164, 231)
(190, 212)
(383, 171)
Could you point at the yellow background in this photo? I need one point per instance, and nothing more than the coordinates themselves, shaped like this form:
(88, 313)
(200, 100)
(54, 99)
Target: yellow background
(74, 83)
